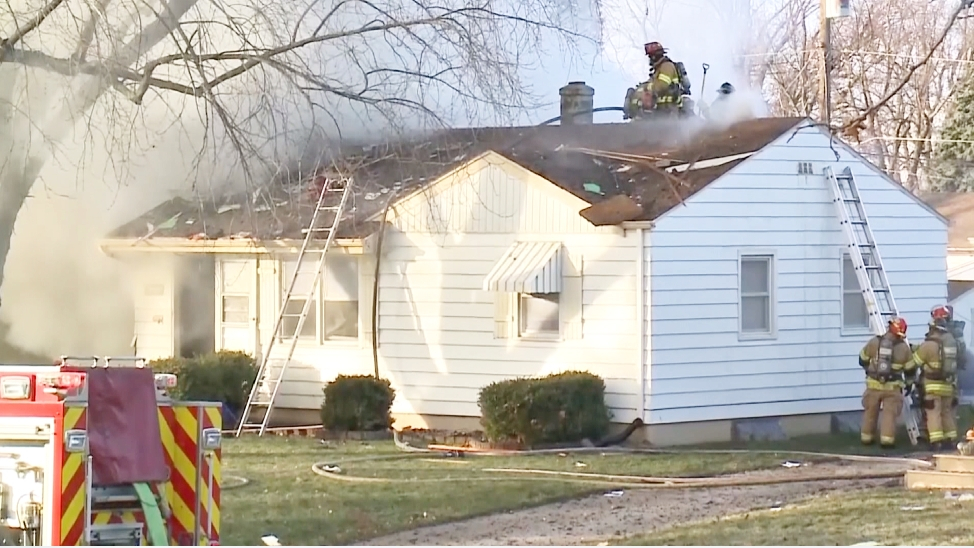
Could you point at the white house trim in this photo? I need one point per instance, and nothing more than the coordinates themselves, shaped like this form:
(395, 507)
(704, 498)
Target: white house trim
(713, 162)
(527, 267)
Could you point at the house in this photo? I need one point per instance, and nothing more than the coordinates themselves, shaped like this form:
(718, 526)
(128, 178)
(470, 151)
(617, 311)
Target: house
(958, 208)
(700, 271)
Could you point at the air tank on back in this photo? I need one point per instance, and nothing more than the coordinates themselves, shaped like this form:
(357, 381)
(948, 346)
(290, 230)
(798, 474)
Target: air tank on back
(577, 102)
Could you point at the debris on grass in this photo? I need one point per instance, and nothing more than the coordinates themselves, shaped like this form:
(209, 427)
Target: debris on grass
(791, 464)
(614, 494)
(580, 464)
(912, 508)
(270, 540)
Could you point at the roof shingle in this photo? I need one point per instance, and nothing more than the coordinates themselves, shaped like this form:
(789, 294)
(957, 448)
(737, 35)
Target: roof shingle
(594, 162)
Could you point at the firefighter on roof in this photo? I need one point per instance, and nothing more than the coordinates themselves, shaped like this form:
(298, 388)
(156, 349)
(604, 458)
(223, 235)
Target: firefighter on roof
(938, 360)
(663, 92)
(886, 359)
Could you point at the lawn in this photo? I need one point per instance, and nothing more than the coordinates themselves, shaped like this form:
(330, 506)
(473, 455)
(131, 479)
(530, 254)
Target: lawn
(890, 517)
(285, 498)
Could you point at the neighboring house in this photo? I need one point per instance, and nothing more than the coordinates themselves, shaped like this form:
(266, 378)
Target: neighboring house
(707, 295)
(958, 208)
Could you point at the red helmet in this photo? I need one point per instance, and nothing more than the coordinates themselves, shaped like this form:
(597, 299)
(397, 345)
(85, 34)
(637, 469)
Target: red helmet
(942, 312)
(654, 49)
(897, 326)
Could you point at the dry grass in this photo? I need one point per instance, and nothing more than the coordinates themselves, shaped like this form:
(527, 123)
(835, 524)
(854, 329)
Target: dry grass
(285, 498)
(886, 516)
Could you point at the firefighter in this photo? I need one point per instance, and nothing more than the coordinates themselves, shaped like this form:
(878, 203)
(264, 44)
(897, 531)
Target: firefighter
(937, 359)
(663, 93)
(886, 359)
(665, 78)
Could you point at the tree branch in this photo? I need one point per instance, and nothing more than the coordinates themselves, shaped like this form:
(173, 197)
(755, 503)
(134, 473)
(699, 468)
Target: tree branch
(7, 43)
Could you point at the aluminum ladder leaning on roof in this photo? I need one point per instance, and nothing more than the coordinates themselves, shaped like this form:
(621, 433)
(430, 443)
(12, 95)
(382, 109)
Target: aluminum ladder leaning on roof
(270, 377)
(870, 272)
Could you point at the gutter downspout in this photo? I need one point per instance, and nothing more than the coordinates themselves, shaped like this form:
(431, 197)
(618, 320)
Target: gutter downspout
(641, 322)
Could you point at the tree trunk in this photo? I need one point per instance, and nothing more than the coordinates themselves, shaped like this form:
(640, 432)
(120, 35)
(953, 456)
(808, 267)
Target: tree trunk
(15, 185)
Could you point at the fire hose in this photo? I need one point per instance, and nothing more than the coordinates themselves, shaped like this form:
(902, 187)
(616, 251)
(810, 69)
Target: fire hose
(332, 470)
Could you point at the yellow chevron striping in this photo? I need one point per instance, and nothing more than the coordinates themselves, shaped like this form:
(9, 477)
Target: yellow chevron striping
(216, 419)
(181, 511)
(72, 504)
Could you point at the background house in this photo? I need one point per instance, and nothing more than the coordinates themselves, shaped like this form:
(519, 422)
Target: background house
(705, 280)
(958, 208)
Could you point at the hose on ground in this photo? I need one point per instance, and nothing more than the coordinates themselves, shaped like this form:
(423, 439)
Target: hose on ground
(405, 447)
(235, 482)
(605, 480)
(332, 470)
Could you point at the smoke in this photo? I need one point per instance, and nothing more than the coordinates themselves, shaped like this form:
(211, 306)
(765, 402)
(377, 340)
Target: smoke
(61, 294)
(714, 32)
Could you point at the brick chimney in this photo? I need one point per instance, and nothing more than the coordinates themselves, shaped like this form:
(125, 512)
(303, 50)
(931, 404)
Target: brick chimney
(577, 102)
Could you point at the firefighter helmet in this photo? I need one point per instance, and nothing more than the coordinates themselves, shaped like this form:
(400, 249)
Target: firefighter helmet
(725, 89)
(942, 312)
(654, 50)
(897, 326)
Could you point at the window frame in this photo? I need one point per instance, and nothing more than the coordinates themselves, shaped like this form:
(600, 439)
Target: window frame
(224, 293)
(850, 330)
(283, 282)
(769, 257)
(540, 335)
(321, 303)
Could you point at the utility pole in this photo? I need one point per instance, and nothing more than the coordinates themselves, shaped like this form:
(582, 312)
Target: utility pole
(829, 9)
(826, 92)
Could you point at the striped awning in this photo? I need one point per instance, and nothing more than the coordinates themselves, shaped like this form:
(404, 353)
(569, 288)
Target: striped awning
(527, 267)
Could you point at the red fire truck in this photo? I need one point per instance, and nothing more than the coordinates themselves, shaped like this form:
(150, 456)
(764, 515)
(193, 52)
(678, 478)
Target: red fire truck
(94, 452)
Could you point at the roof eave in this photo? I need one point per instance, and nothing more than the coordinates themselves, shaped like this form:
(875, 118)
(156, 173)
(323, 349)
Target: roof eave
(125, 246)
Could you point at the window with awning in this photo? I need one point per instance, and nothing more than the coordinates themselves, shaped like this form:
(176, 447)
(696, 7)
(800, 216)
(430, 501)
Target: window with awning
(538, 292)
(527, 267)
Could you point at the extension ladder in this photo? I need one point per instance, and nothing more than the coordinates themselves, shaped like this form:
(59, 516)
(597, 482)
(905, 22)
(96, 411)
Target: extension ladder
(861, 244)
(270, 374)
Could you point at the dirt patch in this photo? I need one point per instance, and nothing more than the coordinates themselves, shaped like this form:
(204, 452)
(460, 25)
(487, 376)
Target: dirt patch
(598, 517)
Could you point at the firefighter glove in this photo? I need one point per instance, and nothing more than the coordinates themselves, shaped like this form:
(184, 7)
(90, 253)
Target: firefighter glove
(863, 363)
(954, 402)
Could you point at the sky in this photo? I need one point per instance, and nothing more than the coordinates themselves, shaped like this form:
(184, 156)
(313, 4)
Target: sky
(691, 31)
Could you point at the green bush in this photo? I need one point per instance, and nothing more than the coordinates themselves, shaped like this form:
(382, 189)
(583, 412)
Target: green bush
(225, 376)
(566, 407)
(357, 403)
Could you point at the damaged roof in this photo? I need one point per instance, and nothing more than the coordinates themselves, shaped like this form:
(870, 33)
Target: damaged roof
(958, 208)
(621, 169)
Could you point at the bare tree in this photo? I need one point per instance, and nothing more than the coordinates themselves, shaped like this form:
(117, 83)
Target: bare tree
(257, 71)
(897, 65)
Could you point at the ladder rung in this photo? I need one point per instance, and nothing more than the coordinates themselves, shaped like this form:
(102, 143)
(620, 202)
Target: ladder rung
(328, 208)
(306, 230)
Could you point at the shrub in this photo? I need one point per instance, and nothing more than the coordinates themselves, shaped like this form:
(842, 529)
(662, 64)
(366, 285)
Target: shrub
(566, 407)
(225, 376)
(357, 403)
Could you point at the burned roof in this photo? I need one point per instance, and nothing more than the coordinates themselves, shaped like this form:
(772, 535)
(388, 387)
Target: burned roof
(958, 208)
(595, 162)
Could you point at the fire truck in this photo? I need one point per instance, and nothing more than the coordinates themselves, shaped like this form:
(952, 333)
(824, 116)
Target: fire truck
(94, 452)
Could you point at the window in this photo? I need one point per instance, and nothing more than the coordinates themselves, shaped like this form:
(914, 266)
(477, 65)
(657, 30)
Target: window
(538, 315)
(236, 309)
(236, 285)
(854, 313)
(337, 293)
(755, 288)
(303, 291)
(341, 298)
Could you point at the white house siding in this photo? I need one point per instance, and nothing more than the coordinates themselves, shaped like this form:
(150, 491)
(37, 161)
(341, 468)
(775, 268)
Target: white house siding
(153, 304)
(436, 327)
(699, 369)
(313, 364)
